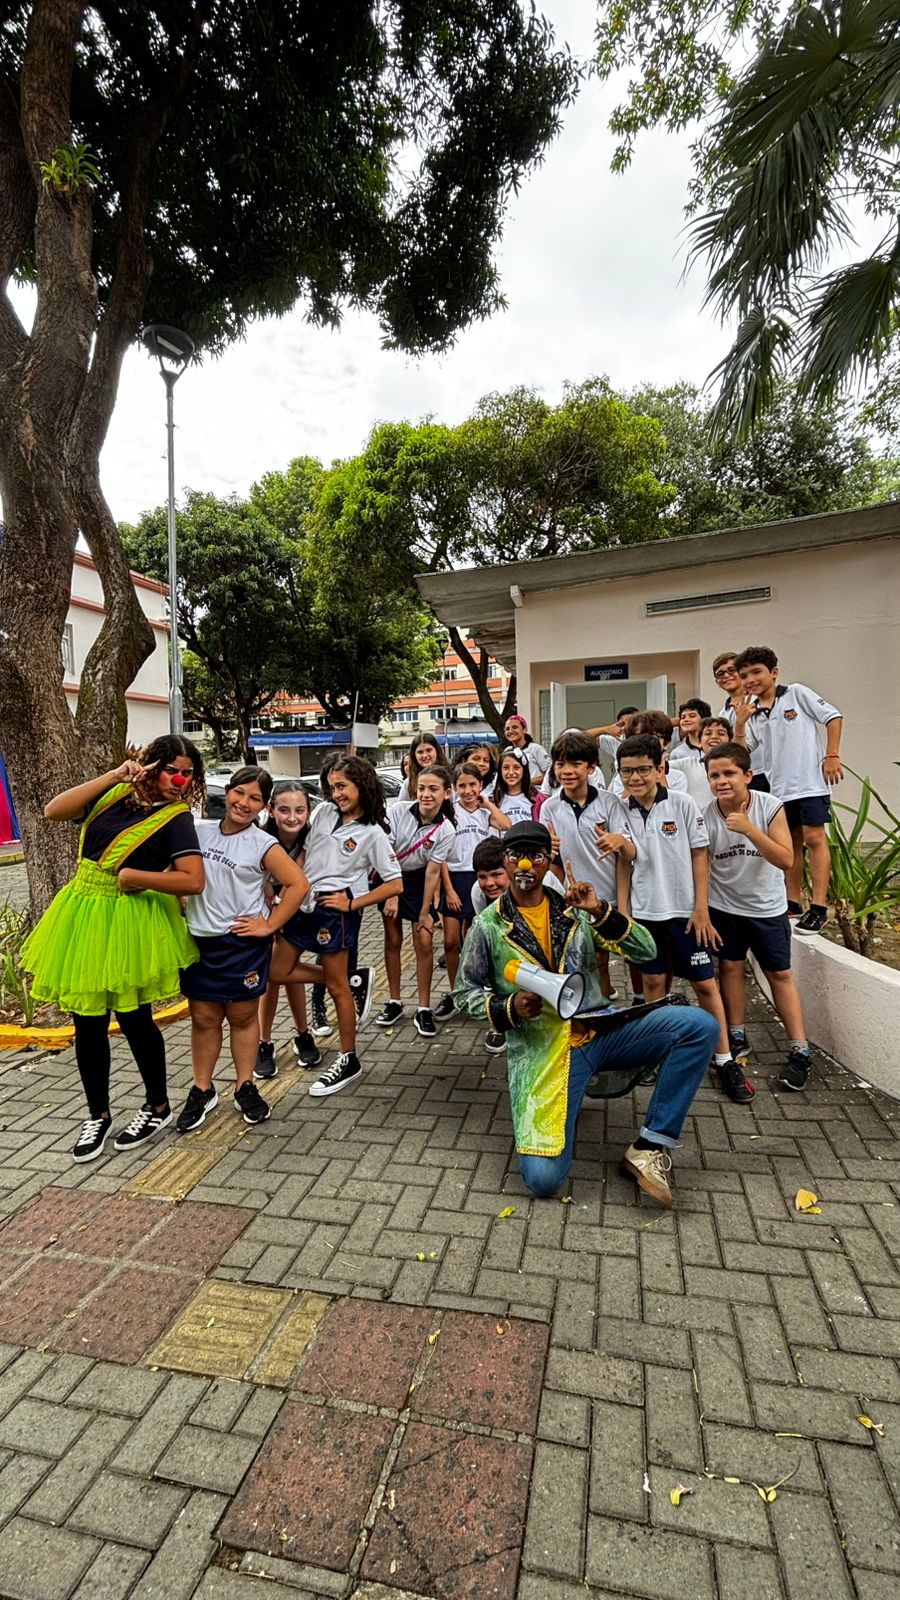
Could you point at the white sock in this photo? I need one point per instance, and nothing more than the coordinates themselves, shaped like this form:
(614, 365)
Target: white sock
(799, 1044)
(721, 1060)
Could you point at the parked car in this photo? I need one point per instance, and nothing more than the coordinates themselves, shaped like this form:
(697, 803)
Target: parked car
(215, 791)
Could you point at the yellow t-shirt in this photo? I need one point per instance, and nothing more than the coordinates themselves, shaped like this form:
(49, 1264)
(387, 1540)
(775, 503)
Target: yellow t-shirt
(538, 920)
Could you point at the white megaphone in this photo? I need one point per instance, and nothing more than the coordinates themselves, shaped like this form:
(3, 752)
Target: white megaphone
(564, 991)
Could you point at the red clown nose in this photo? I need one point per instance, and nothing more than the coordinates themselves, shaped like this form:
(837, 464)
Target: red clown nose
(178, 780)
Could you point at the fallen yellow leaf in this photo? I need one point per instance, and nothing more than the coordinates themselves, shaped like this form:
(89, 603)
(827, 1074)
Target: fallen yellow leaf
(677, 1494)
(873, 1427)
(566, 1200)
(421, 1256)
(433, 1337)
(731, 1480)
(804, 1200)
(507, 1211)
(501, 1328)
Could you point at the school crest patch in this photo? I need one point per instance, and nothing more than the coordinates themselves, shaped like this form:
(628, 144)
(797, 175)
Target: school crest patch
(323, 936)
(790, 715)
(669, 828)
(251, 980)
(349, 846)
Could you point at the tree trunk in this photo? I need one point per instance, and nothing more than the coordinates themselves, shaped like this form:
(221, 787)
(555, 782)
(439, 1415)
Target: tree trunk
(479, 671)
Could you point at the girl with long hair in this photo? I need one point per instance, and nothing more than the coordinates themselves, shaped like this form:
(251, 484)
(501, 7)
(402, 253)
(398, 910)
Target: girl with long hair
(422, 831)
(288, 823)
(512, 791)
(348, 840)
(516, 730)
(114, 939)
(424, 751)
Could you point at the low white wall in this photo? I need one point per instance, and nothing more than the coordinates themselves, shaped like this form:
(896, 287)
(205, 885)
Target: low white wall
(851, 1006)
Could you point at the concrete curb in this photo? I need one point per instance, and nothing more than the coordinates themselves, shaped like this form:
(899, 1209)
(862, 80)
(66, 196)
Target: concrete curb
(16, 1038)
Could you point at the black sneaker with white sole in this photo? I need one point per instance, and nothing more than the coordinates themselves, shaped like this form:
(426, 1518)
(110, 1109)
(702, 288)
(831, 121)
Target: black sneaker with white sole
(146, 1125)
(445, 1009)
(795, 1072)
(266, 1065)
(362, 988)
(93, 1136)
(391, 1012)
(250, 1103)
(733, 1083)
(307, 1051)
(494, 1043)
(738, 1044)
(321, 1027)
(197, 1106)
(344, 1070)
(424, 1024)
(812, 921)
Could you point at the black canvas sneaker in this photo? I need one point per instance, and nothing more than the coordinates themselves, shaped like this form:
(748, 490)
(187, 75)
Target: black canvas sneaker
(197, 1106)
(362, 988)
(733, 1083)
(146, 1125)
(423, 1022)
(321, 1027)
(391, 1012)
(306, 1050)
(738, 1044)
(812, 921)
(266, 1066)
(250, 1103)
(445, 1010)
(494, 1043)
(795, 1072)
(344, 1070)
(93, 1136)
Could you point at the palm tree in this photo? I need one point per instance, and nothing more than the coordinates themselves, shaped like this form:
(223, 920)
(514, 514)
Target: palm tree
(812, 125)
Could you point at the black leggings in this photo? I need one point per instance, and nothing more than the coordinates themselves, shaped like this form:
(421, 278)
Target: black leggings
(92, 1055)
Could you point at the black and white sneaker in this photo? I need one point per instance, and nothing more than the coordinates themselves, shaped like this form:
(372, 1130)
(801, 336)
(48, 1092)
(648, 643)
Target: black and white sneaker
(795, 1072)
(794, 909)
(812, 921)
(93, 1136)
(445, 1010)
(362, 988)
(146, 1125)
(391, 1012)
(423, 1022)
(738, 1044)
(494, 1043)
(250, 1103)
(197, 1106)
(733, 1083)
(344, 1070)
(307, 1051)
(321, 1027)
(266, 1065)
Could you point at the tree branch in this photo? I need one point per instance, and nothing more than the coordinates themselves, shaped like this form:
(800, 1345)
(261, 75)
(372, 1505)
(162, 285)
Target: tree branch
(478, 672)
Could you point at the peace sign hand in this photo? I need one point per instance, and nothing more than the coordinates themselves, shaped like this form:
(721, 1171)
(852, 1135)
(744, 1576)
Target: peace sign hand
(583, 895)
(132, 772)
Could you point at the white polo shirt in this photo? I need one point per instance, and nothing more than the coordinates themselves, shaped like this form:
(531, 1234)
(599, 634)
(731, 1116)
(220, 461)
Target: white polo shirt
(538, 759)
(740, 879)
(235, 879)
(786, 735)
(727, 712)
(416, 843)
(514, 806)
(340, 855)
(662, 877)
(608, 744)
(691, 766)
(675, 779)
(576, 829)
(471, 828)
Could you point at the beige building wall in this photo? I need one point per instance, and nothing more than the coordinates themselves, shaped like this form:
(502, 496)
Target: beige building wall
(832, 620)
(148, 697)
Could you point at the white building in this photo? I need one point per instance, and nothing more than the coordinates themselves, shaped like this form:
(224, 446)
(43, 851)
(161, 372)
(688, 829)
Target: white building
(148, 697)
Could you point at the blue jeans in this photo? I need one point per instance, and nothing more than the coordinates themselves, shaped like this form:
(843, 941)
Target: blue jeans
(682, 1040)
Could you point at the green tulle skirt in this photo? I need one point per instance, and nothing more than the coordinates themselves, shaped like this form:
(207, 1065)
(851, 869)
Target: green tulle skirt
(97, 950)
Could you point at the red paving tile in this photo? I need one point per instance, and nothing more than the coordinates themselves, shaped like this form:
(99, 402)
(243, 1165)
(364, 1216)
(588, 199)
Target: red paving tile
(452, 1520)
(33, 1305)
(127, 1316)
(114, 1228)
(366, 1351)
(309, 1488)
(479, 1375)
(196, 1236)
(48, 1215)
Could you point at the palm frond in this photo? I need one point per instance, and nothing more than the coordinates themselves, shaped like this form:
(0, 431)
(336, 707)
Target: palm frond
(750, 373)
(850, 323)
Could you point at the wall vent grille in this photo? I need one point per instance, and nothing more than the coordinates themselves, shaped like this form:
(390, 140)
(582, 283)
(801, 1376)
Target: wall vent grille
(698, 602)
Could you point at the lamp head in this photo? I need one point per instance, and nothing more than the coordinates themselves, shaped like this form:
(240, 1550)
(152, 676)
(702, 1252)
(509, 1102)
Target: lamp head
(172, 348)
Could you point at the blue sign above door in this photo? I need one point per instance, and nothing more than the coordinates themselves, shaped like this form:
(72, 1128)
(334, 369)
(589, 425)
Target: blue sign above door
(616, 672)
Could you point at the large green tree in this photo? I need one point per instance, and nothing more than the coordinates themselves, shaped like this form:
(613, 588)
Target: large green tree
(205, 162)
(792, 144)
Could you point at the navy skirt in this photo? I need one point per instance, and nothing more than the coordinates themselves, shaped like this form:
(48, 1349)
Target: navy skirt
(463, 884)
(230, 969)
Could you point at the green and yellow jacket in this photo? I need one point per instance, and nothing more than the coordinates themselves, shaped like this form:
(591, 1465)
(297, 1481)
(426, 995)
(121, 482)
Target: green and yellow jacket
(539, 1048)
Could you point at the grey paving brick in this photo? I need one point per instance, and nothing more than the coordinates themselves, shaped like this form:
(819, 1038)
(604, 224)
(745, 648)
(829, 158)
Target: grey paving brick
(801, 1313)
(732, 1511)
(849, 1374)
(619, 1293)
(222, 1404)
(866, 1515)
(186, 1551)
(259, 1413)
(740, 1288)
(39, 1425)
(761, 1457)
(673, 1423)
(19, 1376)
(874, 1585)
(839, 1287)
(688, 1311)
(638, 1341)
(206, 1459)
(41, 1563)
(764, 1347)
(660, 1265)
(808, 1547)
(60, 1378)
(332, 1584)
(601, 1377)
(647, 1561)
(723, 1390)
(172, 1406)
(18, 1476)
(618, 1462)
(108, 1387)
(575, 1316)
(129, 1509)
(112, 1573)
(743, 1574)
(812, 1412)
(218, 1584)
(565, 1418)
(868, 1336)
(66, 1483)
(554, 1536)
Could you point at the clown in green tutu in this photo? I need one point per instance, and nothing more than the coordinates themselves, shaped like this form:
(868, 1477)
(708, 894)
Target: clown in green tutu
(114, 939)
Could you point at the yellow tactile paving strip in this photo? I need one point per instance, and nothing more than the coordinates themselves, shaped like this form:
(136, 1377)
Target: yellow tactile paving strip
(226, 1331)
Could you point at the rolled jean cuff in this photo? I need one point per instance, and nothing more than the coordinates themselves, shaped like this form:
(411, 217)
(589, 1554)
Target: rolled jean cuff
(658, 1138)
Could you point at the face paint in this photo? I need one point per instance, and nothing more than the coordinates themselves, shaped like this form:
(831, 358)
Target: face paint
(178, 780)
(525, 880)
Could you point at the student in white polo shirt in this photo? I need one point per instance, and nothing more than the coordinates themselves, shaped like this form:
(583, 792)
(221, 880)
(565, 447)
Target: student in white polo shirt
(781, 722)
(423, 831)
(346, 839)
(667, 884)
(589, 825)
(749, 850)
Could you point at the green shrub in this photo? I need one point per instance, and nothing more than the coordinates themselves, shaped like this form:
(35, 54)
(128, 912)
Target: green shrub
(14, 988)
(865, 874)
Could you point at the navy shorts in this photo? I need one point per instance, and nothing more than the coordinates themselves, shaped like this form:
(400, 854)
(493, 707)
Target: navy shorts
(760, 781)
(323, 932)
(463, 883)
(812, 813)
(678, 950)
(767, 938)
(409, 905)
(230, 969)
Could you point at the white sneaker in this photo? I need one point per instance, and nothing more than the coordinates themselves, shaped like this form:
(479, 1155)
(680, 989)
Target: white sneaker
(651, 1168)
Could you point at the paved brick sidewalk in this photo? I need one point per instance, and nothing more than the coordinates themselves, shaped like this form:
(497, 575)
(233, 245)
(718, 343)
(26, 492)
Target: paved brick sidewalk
(314, 1359)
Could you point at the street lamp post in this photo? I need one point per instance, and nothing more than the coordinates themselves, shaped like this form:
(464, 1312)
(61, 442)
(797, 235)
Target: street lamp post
(173, 350)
